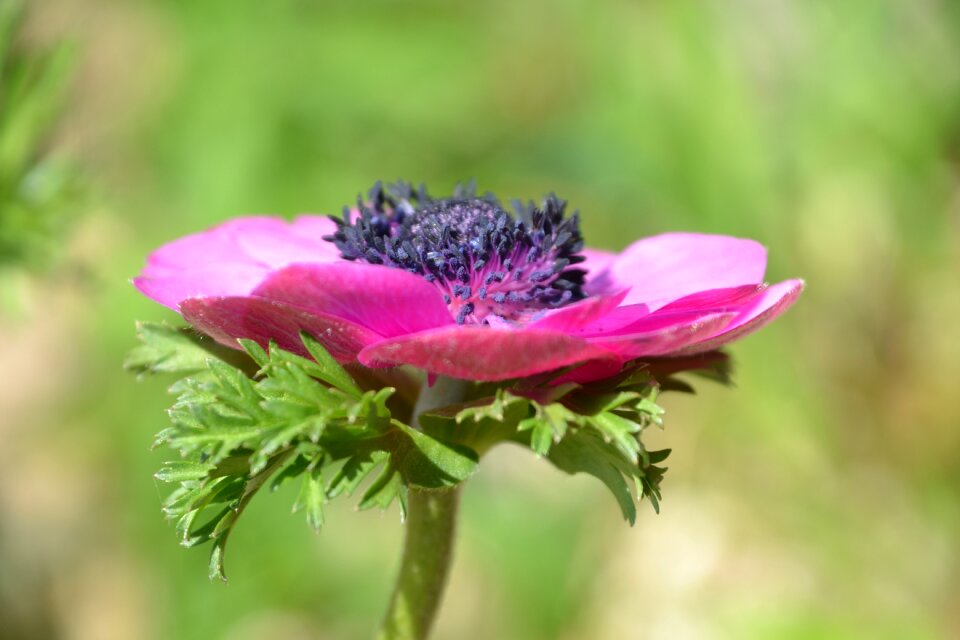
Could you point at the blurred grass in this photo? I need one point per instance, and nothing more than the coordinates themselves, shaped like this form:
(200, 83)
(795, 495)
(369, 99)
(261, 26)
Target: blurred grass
(818, 500)
(36, 189)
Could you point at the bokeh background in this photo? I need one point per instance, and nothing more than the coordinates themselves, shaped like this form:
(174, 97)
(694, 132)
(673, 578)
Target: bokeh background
(818, 499)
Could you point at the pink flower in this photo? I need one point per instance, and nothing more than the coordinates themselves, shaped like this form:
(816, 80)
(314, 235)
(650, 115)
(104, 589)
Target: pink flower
(458, 287)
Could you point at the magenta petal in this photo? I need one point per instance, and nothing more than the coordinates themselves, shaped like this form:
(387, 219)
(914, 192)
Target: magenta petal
(596, 260)
(285, 243)
(388, 301)
(596, 265)
(232, 258)
(615, 320)
(663, 268)
(727, 299)
(312, 227)
(226, 319)
(262, 241)
(215, 245)
(590, 371)
(482, 353)
(665, 335)
(638, 318)
(770, 304)
(574, 317)
(220, 279)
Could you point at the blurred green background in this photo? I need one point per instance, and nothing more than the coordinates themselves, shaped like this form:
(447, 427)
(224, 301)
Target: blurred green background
(819, 499)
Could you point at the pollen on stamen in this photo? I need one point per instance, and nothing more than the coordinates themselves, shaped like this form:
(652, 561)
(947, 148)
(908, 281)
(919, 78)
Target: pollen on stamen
(485, 261)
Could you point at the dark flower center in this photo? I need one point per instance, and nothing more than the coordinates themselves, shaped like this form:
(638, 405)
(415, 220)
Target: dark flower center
(489, 265)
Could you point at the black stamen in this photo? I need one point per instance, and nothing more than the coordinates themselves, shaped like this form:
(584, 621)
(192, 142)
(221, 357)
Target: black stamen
(469, 247)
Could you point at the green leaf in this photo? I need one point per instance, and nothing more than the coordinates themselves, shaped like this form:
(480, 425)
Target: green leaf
(620, 431)
(328, 369)
(290, 417)
(585, 452)
(312, 495)
(657, 457)
(274, 416)
(255, 351)
(495, 408)
(386, 488)
(548, 425)
(431, 463)
(353, 472)
(215, 570)
(165, 349)
(192, 536)
(294, 468)
(181, 471)
(541, 434)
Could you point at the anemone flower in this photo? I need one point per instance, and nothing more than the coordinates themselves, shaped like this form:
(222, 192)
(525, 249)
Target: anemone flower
(465, 291)
(460, 287)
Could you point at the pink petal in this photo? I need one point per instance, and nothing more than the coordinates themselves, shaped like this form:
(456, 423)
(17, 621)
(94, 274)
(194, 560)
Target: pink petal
(664, 335)
(228, 318)
(220, 279)
(596, 265)
(590, 371)
(615, 320)
(575, 316)
(663, 268)
(596, 259)
(388, 301)
(482, 353)
(282, 243)
(313, 226)
(215, 245)
(232, 258)
(770, 304)
(638, 318)
(727, 299)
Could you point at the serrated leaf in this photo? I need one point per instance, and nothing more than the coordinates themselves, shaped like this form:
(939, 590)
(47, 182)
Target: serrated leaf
(225, 524)
(217, 490)
(431, 463)
(182, 470)
(215, 570)
(353, 471)
(165, 349)
(294, 417)
(541, 435)
(329, 370)
(658, 456)
(675, 384)
(584, 452)
(620, 431)
(312, 496)
(230, 434)
(383, 490)
(494, 408)
(255, 351)
(593, 403)
(294, 467)
(310, 428)
(653, 411)
(191, 537)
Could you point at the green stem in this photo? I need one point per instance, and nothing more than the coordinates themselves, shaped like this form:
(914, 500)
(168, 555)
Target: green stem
(428, 546)
(427, 552)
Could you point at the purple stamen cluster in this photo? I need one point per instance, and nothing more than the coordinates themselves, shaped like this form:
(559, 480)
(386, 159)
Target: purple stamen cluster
(487, 264)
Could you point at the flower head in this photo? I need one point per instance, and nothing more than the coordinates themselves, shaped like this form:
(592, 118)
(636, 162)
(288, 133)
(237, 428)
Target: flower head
(461, 287)
(486, 265)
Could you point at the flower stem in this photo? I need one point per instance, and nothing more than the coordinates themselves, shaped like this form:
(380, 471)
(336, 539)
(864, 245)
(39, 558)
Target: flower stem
(428, 546)
(427, 551)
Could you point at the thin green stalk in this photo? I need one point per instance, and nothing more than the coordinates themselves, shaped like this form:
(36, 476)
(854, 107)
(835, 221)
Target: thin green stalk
(428, 546)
